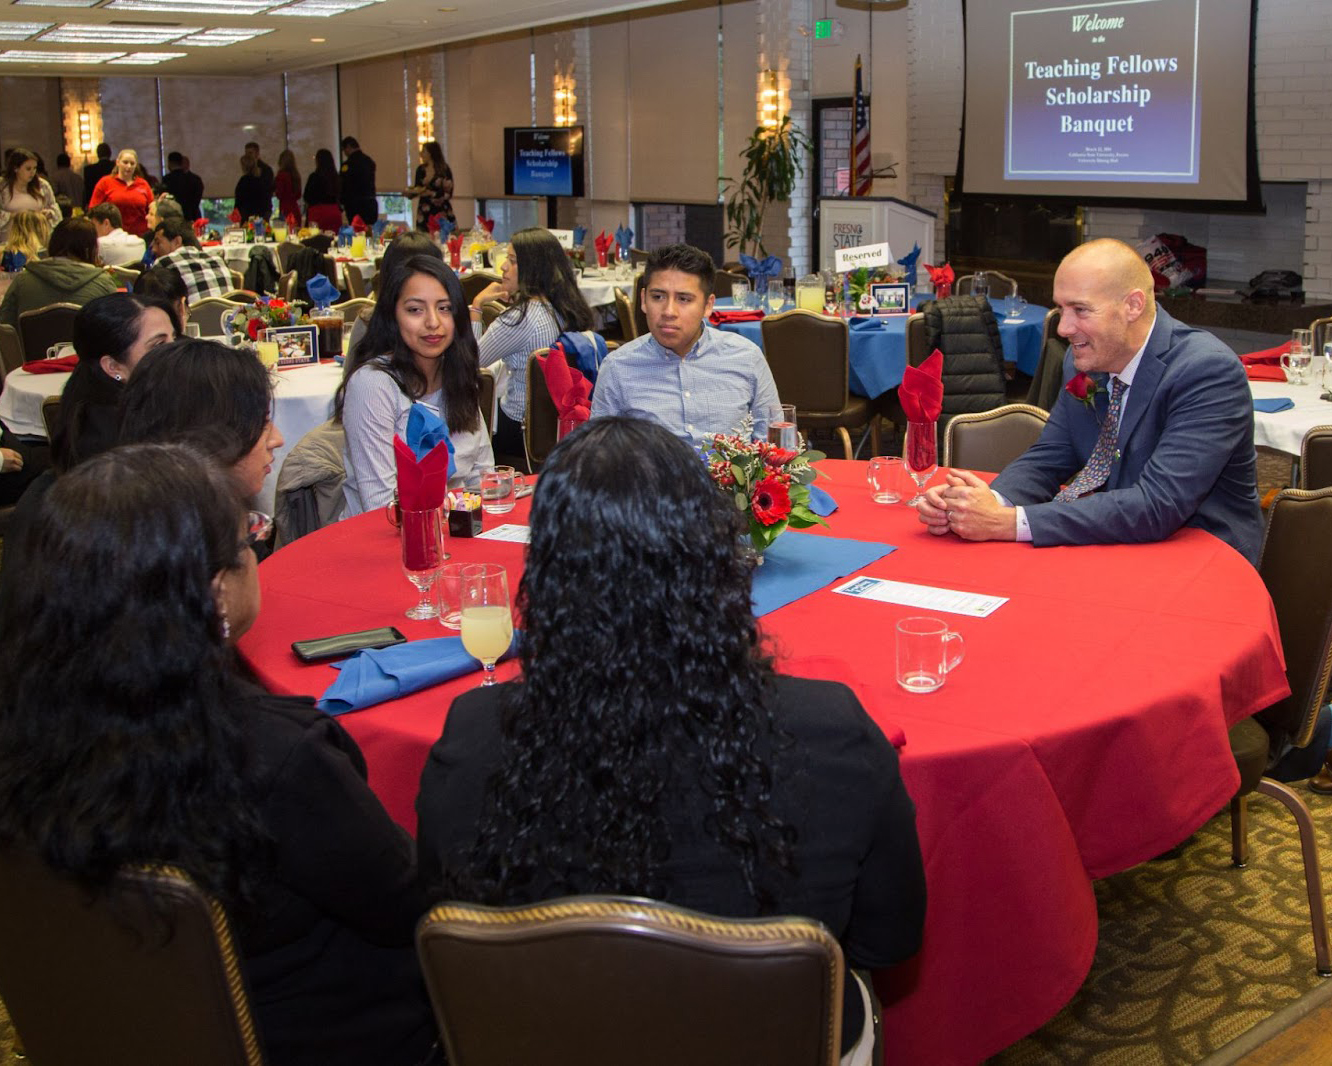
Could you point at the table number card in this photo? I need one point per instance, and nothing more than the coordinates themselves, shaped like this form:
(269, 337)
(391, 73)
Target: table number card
(508, 532)
(951, 601)
(867, 255)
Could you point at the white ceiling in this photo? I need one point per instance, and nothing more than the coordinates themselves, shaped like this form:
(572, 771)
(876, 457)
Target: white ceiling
(381, 27)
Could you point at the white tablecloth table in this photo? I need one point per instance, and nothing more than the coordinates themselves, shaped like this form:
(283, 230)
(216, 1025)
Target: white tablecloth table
(1284, 430)
(237, 256)
(302, 399)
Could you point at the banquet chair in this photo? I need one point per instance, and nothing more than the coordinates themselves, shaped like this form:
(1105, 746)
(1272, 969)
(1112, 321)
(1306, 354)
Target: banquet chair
(541, 421)
(1049, 377)
(602, 980)
(809, 355)
(45, 326)
(124, 277)
(355, 281)
(286, 286)
(724, 279)
(11, 350)
(473, 283)
(353, 307)
(286, 251)
(123, 978)
(207, 314)
(916, 339)
(488, 397)
(638, 255)
(625, 313)
(990, 440)
(1300, 584)
(240, 296)
(50, 415)
(1321, 334)
(237, 278)
(491, 310)
(308, 493)
(962, 287)
(640, 318)
(1316, 459)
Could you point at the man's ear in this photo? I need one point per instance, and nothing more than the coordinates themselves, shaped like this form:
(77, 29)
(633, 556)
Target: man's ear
(1135, 303)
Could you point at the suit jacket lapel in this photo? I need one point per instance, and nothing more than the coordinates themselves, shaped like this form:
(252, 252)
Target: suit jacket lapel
(1145, 381)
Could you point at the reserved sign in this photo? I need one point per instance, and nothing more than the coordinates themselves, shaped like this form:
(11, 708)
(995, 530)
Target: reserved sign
(564, 236)
(867, 255)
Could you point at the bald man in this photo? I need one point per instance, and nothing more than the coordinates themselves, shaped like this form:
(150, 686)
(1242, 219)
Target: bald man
(1166, 442)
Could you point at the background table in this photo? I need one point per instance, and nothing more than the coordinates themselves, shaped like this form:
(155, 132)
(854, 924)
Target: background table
(237, 257)
(1284, 430)
(878, 355)
(1084, 732)
(302, 398)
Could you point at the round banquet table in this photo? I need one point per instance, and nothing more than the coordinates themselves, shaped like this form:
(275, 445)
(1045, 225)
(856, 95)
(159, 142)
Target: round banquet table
(1084, 732)
(878, 345)
(237, 256)
(1285, 430)
(302, 399)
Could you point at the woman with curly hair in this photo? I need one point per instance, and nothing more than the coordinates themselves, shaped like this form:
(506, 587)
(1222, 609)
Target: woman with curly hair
(147, 746)
(649, 748)
(418, 348)
(23, 189)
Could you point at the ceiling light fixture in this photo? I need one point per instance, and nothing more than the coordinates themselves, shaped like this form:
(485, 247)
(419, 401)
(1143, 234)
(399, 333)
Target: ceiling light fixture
(20, 55)
(194, 7)
(83, 33)
(322, 8)
(221, 36)
(21, 31)
(147, 58)
(57, 3)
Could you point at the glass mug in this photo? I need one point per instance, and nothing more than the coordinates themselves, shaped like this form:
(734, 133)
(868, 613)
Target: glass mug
(498, 488)
(926, 651)
(886, 478)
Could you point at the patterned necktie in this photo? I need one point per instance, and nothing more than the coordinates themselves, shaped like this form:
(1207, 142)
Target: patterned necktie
(1097, 471)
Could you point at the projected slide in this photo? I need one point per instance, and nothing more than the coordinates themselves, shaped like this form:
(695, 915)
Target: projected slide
(1104, 92)
(542, 163)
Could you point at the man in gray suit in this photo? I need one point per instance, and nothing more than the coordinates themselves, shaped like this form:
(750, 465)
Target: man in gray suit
(1164, 438)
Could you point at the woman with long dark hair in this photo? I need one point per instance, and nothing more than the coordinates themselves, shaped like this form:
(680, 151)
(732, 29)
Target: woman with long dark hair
(539, 281)
(322, 189)
(145, 745)
(418, 348)
(23, 189)
(649, 748)
(287, 185)
(432, 187)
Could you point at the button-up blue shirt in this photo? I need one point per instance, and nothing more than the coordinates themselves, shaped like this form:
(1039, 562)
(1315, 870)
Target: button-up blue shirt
(723, 378)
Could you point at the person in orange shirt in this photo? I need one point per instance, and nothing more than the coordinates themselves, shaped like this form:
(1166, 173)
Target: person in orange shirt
(129, 193)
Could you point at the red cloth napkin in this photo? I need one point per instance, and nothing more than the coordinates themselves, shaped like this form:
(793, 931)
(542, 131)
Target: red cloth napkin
(603, 244)
(718, 317)
(921, 391)
(568, 388)
(488, 224)
(432, 224)
(210, 244)
(1267, 357)
(358, 225)
(1265, 373)
(235, 215)
(200, 224)
(421, 486)
(942, 279)
(63, 365)
(455, 251)
(293, 222)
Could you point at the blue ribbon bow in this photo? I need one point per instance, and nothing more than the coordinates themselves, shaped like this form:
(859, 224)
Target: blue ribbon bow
(579, 236)
(764, 268)
(446, 227)
(322, 291)
(909, 261)
(425, 432)
(624, 236)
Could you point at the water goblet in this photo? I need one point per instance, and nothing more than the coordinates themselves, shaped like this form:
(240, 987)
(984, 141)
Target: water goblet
(782, 427)
(740, 294)
(487, 622)
(1016, 306)
(421, 535)
(776, 298)
(920, 456)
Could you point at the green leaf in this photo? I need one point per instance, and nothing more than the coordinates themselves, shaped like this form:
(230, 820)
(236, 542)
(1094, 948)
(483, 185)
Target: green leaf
(813, 457)
(741, 501)
(741, 478)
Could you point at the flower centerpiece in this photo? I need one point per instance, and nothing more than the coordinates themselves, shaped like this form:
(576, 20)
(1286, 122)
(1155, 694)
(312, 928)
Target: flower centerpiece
(264, 313)
(770, 485)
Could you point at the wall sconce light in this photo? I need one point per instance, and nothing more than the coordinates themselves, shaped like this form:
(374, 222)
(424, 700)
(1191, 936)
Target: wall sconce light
(425, 113)
(85, 133)
(566, 100)
(770, 100)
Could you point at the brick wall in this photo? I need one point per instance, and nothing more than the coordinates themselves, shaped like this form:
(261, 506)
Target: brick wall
(836, 148)
(661, 224)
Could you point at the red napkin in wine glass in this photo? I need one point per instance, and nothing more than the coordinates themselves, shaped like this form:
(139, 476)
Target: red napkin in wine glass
(293, 223)
(488, 224)
(200, 224)
(570, 390)
(602, 244)
(921, 391)
(235, 215)
(942, 279)
(358, 225)
(422, 484)
(455, 251)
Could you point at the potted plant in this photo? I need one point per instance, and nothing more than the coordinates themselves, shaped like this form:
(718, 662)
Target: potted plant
(774, 159)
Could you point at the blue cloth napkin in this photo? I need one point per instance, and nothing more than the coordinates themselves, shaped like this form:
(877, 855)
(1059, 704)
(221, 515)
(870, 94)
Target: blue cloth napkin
(865, 324)
(579, 236)
(345, 235)
(797, 564)
(446, 228)
(585, 349)
(425, 432)
(377, 228)
(909, 261)
(820, 502)
(624, 237)
(377, 675)
(761, 268)
(1272, 406)
(322, 291)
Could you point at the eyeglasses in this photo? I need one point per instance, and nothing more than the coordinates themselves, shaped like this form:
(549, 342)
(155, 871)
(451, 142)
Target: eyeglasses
(257, 527)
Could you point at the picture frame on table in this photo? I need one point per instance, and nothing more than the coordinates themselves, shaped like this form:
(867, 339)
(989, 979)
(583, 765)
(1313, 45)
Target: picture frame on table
(891, 297)
(233, 236)
(297, 345)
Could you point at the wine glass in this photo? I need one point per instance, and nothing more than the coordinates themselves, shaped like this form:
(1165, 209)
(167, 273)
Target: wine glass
(487, 623)
(421, 535)
(920, 456)
(776, 297)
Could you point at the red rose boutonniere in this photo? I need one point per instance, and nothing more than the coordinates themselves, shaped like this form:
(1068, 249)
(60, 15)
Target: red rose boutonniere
(1084, 388)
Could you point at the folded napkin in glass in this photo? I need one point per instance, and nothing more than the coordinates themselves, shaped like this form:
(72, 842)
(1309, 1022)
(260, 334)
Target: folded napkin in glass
(1275, 404)
(378, 675)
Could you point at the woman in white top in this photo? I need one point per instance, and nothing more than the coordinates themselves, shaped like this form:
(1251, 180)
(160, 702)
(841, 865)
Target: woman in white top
(546, 302)
(22, 190)
(418, 348)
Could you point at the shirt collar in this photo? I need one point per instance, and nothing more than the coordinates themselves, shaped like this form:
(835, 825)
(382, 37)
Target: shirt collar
(1126, 375)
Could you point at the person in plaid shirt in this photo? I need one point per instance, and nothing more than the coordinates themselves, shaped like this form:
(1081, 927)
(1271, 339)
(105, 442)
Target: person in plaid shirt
(175, 245)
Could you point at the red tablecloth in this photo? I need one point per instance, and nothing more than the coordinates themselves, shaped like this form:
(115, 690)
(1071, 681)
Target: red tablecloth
(1084, 732)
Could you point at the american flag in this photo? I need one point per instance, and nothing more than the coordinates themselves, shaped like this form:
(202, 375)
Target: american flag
(861, 177)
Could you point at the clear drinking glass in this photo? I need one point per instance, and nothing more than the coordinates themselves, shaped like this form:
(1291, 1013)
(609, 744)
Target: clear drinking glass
(920, 456)
(421, 535)
(776, 297)
(740, 294)
(885, 479)
(782, 427)
(1016, 306)
(487, 622)
(449, 586)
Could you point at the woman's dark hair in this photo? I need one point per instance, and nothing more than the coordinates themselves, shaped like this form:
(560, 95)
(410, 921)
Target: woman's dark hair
(622, 691)
(287, 162)
(163, 281)
(15, 158)
(461, 370)
(119, 742)
(107, 325)
(436, 154)
(74, 238)
(198, 392)
(324, 164)
(544, 273)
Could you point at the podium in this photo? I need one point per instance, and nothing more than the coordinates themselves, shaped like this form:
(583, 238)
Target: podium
(851, 221)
